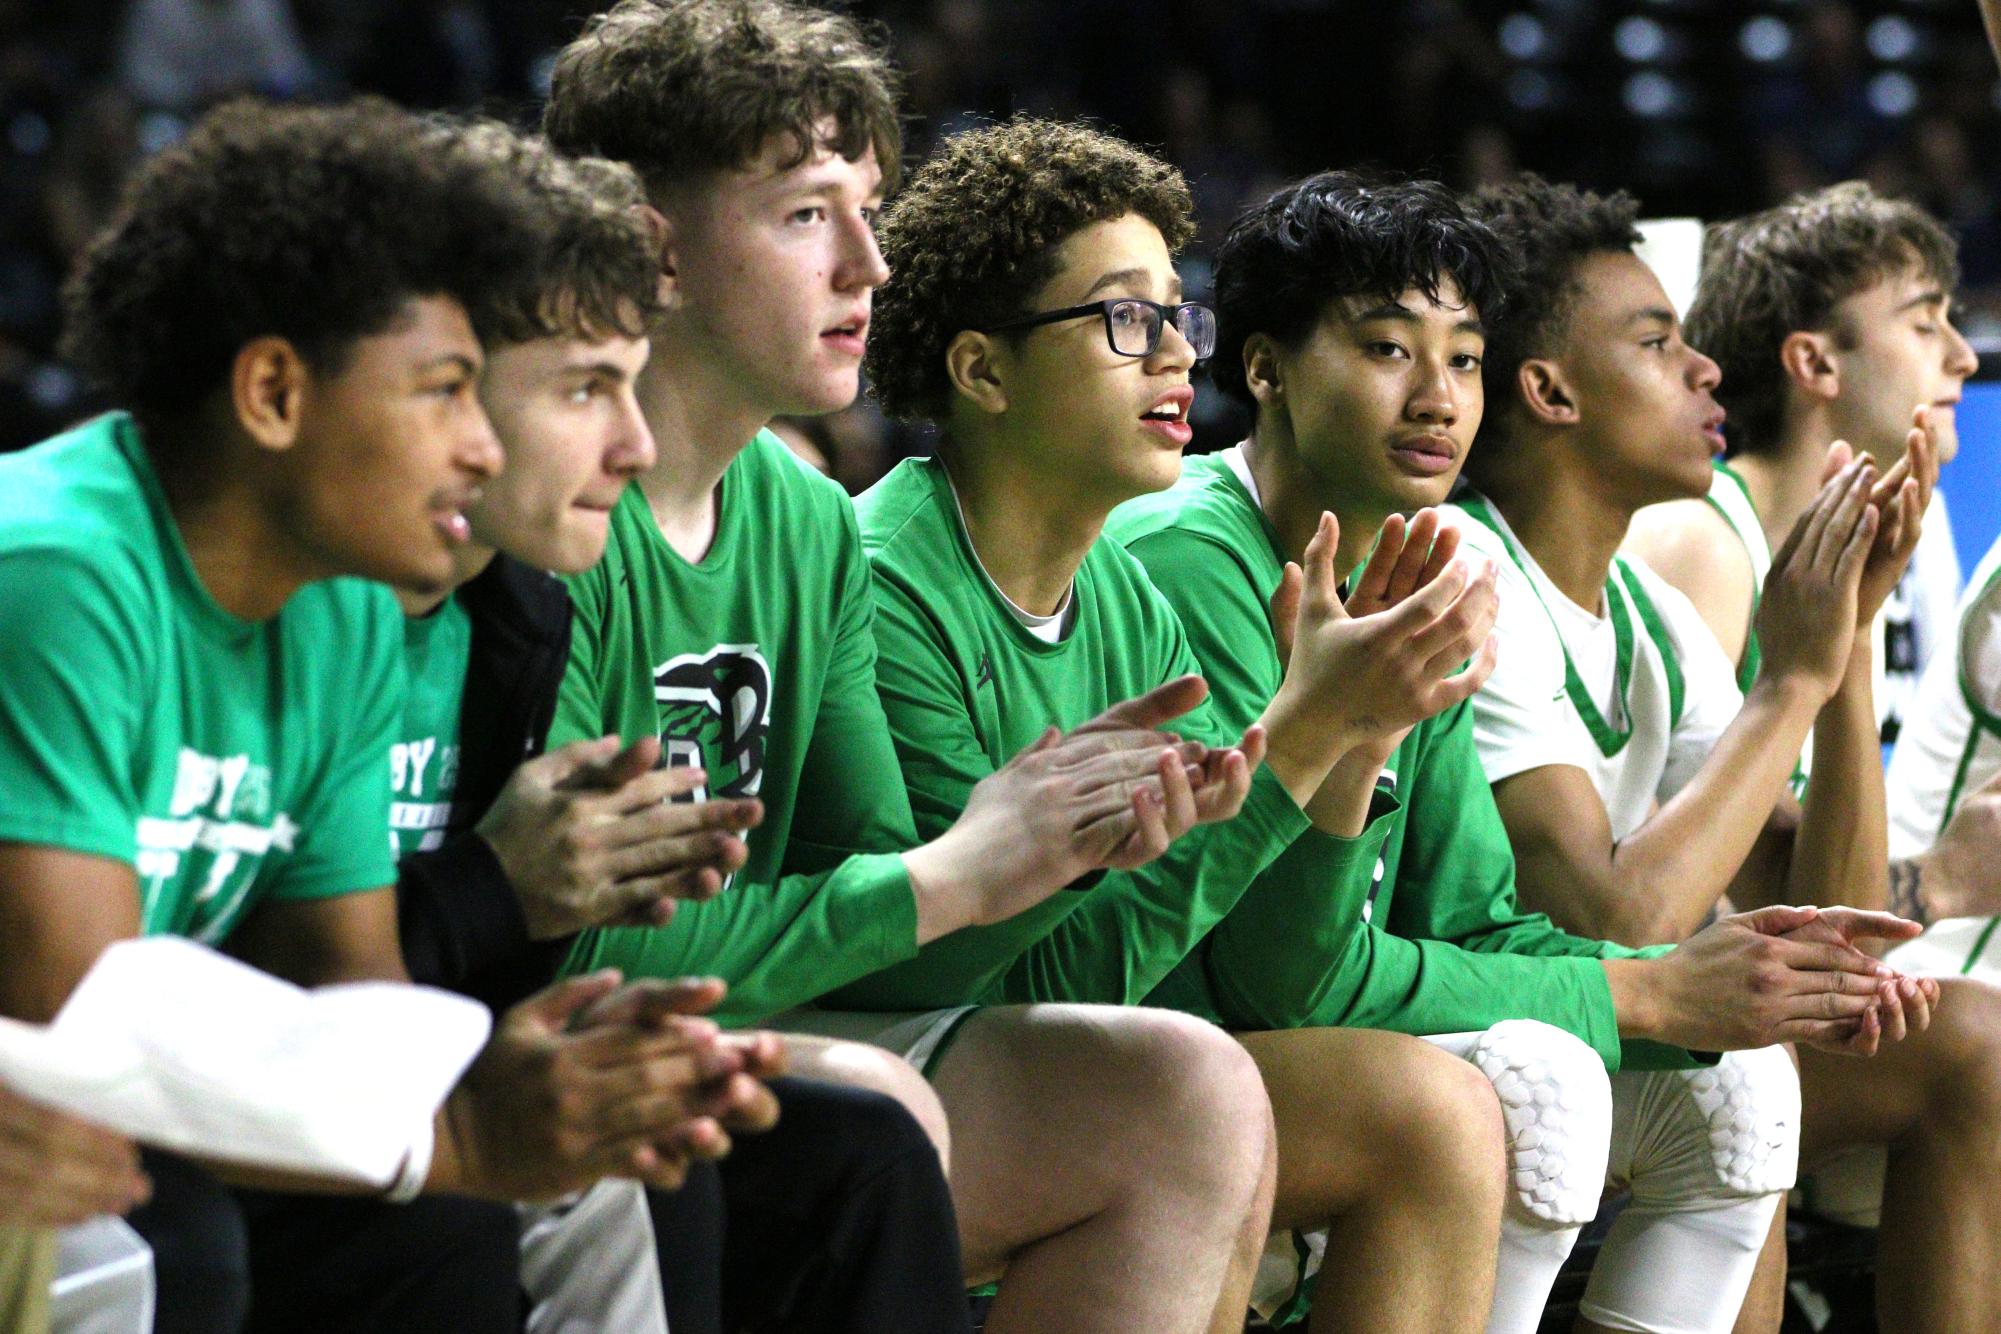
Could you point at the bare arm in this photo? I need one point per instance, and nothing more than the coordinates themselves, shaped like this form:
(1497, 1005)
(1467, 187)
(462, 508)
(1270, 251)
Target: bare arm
(1690, 545)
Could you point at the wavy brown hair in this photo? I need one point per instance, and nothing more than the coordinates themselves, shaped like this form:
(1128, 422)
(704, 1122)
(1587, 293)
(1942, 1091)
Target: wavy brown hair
(973, 237)
(1776, 273)
(683, 88)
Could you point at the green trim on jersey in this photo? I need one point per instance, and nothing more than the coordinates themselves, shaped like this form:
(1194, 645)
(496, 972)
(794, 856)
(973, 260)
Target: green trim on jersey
(966, 687)
(1611, 740)
(757, 665)
(1984, 719)
(1437, 943)
(1741, 513)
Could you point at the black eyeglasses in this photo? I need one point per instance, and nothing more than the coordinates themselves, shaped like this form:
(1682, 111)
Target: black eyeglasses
(1132, 326)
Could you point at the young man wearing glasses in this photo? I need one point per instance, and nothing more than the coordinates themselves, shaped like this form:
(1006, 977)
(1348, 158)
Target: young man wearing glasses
(732, 619)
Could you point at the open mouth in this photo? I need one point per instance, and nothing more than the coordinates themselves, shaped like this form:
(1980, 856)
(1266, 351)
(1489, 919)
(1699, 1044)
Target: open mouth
(1169, 415)
(1712, 430)
(850, 336)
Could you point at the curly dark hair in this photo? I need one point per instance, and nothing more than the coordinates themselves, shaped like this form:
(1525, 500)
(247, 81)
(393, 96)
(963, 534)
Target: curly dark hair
(1550, 229)
(1784, 270)
(682, 88)
(599, 270)
(317, 225)
(1338, 235)
(973, 237)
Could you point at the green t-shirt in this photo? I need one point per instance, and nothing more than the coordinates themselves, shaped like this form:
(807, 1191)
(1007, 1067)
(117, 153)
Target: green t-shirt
(227, 761)
(967, 686)
(424, 762)
(1436, 943)
(758, 665)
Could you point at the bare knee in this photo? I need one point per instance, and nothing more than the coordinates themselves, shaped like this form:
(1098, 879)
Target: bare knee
(1192, 1095)
(858, 1065)
(1449, 1133)
(1963, 1083)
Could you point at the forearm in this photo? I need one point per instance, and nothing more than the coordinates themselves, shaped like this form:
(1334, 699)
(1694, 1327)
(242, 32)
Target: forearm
(1341, 806)
(1299, 751)
(1683, 859)
(1840, 854)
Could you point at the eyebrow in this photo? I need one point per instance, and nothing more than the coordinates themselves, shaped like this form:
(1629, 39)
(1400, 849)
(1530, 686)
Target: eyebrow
(1402, 314)
(608, 369)
(464, 362)
(1935, 297)
(1653, 315)
(1134, 277)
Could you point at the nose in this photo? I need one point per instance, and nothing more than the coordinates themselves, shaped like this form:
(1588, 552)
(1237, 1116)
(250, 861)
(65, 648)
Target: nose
(1173, 352)
(1432, 398)
(1960, 358)
(479, 449)
(632, 450)
(862, 266)
(1703, 372)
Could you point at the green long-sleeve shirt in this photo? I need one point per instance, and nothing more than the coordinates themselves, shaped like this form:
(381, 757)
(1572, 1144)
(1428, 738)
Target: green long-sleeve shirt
(1436, 943)
(756, 664)
(966, 686)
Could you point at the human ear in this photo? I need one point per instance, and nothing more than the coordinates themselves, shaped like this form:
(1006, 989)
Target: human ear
(1810, 364)
(267, 389)
(1544, 393)
(1263, 372)
(973, 363)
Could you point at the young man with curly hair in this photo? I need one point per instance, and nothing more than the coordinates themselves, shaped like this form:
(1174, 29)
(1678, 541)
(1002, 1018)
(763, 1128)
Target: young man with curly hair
(195, 709)
(1353, 316)
(732, 619)
(1639, 787)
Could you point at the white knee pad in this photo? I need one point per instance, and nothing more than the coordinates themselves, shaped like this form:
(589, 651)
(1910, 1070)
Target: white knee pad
(1556, 1105)
(1730, 1131)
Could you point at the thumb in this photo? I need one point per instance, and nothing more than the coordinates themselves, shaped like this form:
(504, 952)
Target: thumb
(1285, 609)
(1323, 588)
(552, 1007)
(1160, 705)
(1839, 455)
(560, 767)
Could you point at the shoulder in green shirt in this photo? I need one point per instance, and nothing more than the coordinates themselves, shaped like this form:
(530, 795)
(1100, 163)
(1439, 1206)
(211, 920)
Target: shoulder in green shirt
(966, 687)
(756, 664)
(227, 761)
(424, 762)
(1433, 942)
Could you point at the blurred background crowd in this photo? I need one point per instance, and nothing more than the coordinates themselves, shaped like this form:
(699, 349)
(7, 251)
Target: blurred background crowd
(1701, 107)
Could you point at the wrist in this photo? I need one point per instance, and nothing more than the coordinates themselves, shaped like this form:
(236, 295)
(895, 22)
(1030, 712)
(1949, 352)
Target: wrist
(1636, 998)
(944, 902)
(1300, 751)
(1791, 688)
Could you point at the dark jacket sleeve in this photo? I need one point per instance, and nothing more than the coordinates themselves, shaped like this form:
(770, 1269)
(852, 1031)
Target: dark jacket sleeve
(461, 921)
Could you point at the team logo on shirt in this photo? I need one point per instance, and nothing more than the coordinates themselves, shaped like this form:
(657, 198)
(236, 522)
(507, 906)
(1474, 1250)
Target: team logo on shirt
(715, 711)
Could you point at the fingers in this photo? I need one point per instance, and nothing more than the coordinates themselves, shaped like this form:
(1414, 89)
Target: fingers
(1457, 689)
(1854, 553)
(1839, 455)
(552, 1007)
(1155, 709)
(1177, 795)
(1407, 577)
(1285, 609)
(651, 789)
(763, 1053)
(1256, 741)
(1149, 837)
(1777, 919)
(650, 1003)
(1372, 587)
(1443, 549)
(1816, 964)
(1223, 798)
(1860, 924)
(1832, 523)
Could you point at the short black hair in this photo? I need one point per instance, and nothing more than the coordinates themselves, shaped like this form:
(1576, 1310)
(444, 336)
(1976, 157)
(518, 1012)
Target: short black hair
(1550, 229)
(317, 225)
(1342, 234)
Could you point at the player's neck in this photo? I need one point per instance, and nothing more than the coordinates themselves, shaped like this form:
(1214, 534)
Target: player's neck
(1569, 526)
(1293, 500)
(1030, 533)
(700, 423)
(246, 557)
(1784, 479)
